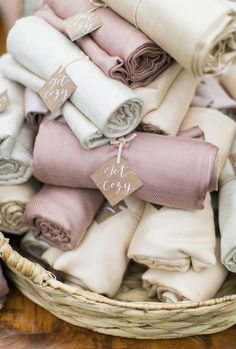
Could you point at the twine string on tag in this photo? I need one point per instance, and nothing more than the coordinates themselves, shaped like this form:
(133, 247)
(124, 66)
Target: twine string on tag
(85, 57)
(97, 5)
(121, 143)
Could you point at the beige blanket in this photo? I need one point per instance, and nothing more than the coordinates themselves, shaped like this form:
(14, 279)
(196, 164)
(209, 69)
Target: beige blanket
(166, 100)
(199, 34)
(172, 287)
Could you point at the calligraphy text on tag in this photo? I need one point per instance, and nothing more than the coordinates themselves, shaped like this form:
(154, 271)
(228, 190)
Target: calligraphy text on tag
(81, 25)
(116, 181)
(57, 89)
(4, 101)
(232, 158)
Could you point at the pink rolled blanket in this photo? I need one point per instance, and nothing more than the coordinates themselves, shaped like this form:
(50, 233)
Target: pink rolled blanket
(3, 289)
(36, 111)
(176, 171)
(61, 216)
(118, 48)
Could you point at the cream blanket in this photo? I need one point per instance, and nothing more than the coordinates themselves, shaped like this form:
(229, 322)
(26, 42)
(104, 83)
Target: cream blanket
(172, 287)
(166, 100)
(227, 212)
(12, 118)
(228, 80)
(218, 129)
(13, 200)
(175, 240)
(199, 34)
(88, 134)
(99, 263)
(111, 106)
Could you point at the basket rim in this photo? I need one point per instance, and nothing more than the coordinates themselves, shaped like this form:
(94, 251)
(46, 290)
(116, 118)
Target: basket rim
(40, 277)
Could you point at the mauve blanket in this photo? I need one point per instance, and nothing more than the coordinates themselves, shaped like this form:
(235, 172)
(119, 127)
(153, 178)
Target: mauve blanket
(61, 216)
(122, 51)
(176, 171)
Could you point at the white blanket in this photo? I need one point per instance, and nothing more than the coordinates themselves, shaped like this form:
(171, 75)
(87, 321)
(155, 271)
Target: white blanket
(113, 107)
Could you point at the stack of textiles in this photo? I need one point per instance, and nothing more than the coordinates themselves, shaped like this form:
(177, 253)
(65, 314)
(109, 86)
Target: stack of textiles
(138, 98)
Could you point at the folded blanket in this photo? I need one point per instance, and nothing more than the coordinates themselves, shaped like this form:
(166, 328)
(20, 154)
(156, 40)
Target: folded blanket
(110, 105)
(172, 287)
(117, 47)
(175, 240)
(17, 168)
(35, 110)
(218, 129)
(203, 46)
(13, 200)
(161, 171)
(210, 94)
(166, 100)
(4, 290)
(87, 133)
(99, 263)
(227, 209)
(61, 216)
(12, 118)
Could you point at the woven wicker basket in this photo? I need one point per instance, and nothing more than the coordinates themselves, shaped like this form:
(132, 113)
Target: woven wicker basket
(133, 318)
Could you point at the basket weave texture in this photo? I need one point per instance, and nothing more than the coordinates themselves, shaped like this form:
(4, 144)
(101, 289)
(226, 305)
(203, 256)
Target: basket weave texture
(130, 318)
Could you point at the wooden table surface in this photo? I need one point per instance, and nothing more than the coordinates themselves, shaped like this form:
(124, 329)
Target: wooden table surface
(24, 325)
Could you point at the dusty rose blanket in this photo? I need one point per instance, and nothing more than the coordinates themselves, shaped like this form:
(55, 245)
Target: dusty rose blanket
(36, 111)
(176, 171)
(61, 216)
(118, 48)
(210, 94)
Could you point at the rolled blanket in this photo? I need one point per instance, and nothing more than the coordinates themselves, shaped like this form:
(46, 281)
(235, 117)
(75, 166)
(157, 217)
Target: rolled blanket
(172, 287)
(4, 290)
(13, 200)
(166, 100)
(210, 94)
(110, 105)
(61, 216)
(99, 263)
(122, 51)
(227, 209)
(12, 118)
(87, 133)
(17, 168)
(209, 43)
(162, 183)
(175, 240)
(218, 129)
(35, 110)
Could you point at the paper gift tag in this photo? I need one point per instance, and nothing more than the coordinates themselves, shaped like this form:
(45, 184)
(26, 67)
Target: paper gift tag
(107, 211)
(4, 101)
(232, 158)
(81, 25)
(116, 182)
(57, 89)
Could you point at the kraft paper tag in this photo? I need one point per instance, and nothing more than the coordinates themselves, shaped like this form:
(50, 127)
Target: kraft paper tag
(81, 25)
(116, 182)
(232, 158)
(57, 89)
(4, 101)
(107, 211)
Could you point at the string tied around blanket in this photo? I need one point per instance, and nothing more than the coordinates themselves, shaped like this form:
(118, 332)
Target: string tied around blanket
(121, 143)
(97, 5)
